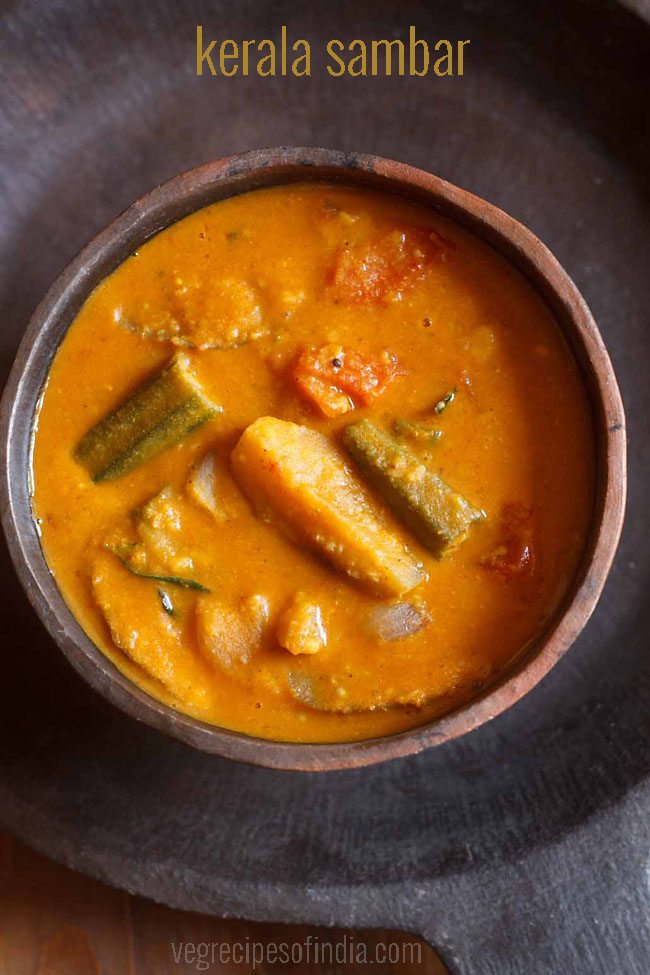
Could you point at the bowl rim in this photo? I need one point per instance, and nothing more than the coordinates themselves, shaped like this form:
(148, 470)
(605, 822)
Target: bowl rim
(166, 204)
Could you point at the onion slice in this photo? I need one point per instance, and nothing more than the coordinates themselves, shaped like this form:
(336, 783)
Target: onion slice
(397, 620)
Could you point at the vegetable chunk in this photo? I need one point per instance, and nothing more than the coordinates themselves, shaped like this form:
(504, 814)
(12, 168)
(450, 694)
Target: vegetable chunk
(300, 627)
(146, 632)
(229, 637)
(155, 417)
(337, 379)
(515, 554)
(418, 430)
(295, 476)
(152, 543)
(201, 484)
(217, 313)
(390, 262)
(321, 692)
(199, 312)
(439, 517)
(396, 621)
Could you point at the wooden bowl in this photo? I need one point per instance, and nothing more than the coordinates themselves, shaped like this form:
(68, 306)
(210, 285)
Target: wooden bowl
(174, 200)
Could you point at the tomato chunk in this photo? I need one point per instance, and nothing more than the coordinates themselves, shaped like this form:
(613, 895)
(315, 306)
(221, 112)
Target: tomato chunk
(515, 554)
(387, 264)
(338, 379)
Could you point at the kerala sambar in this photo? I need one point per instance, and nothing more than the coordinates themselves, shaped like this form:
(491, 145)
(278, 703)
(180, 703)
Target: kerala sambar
(314, 464)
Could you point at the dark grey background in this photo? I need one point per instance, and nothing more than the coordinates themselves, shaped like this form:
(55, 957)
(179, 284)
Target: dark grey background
(525, 847)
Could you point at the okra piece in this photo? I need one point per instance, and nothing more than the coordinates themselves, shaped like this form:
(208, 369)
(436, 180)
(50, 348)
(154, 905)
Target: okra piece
(438, 516)
(418, 430)
(296, 478)
(157, 416)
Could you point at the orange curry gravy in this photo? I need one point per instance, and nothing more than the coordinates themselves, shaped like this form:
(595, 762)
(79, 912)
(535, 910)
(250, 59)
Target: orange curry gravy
(302, 275)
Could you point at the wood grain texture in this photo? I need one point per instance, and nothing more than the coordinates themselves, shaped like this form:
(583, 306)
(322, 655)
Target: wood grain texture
(54, 921)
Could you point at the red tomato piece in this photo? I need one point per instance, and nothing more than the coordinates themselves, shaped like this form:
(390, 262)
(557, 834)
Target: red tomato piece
(515, 555)
(338, 379)
(386, 264)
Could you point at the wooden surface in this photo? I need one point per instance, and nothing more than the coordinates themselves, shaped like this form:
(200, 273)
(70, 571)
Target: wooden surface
(54, 921)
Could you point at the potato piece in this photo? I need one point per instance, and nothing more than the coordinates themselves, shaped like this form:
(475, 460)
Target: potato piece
(300, 627)
(229, 637)
(294, 476)
(141, 627)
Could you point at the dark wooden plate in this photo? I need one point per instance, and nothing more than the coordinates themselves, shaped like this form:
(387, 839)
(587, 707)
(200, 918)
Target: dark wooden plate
(524, 846)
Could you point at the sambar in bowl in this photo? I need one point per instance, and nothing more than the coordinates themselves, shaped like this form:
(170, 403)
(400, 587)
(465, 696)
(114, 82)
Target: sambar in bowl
(317, 462)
